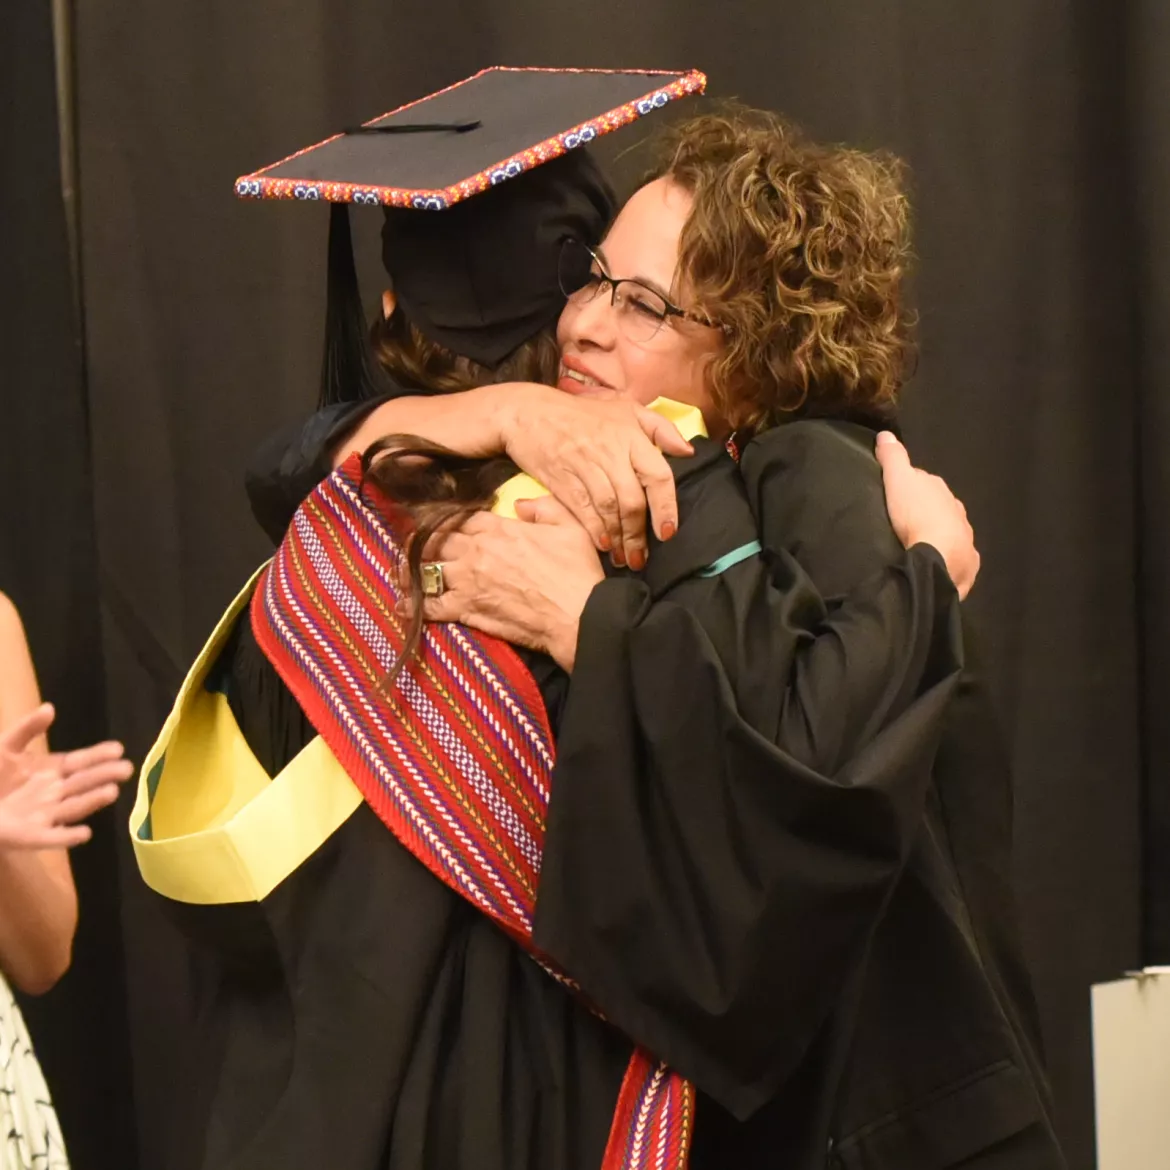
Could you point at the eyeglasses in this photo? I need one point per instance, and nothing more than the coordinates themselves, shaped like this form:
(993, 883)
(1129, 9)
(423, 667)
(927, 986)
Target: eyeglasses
(640, 309)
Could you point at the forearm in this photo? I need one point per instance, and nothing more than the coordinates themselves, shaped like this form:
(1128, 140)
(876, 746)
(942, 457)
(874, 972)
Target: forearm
(38, 916)
(471, 423)
(292, 461)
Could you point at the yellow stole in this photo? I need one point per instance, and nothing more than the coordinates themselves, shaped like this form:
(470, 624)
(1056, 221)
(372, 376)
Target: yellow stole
(209, 825)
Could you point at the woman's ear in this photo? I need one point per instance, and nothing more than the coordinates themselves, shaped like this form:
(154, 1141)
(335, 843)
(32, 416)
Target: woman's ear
(389, 303)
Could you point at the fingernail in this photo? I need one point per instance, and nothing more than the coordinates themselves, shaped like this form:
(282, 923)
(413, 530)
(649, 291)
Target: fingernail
(618, 557)
(885, 438)
(605, 544)
(668, 529)
(637, 560)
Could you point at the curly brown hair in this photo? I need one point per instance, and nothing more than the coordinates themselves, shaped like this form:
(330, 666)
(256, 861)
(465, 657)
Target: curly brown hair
(799, 251)
(415, 361)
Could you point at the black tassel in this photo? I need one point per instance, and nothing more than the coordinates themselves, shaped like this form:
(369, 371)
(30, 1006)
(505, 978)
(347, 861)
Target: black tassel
(349, 372)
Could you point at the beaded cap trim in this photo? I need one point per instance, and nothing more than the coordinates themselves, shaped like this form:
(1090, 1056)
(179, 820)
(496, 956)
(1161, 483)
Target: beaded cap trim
(257, 186)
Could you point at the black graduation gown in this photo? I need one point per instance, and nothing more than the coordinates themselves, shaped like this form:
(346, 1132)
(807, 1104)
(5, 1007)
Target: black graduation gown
(293, 460)
(364, 1016)
(823, 937)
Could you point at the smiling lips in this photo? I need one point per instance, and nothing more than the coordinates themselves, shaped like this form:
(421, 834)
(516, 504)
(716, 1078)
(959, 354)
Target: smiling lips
(576, 379)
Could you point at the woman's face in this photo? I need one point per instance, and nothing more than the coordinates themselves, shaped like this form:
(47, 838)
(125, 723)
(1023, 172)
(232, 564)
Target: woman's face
(598, 356)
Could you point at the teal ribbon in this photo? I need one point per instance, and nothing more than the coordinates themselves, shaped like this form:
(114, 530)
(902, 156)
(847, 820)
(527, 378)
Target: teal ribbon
(728, 560)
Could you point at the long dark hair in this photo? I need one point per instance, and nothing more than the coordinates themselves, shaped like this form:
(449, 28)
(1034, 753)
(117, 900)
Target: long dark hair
(435, 488)
(428, 485)
(410, 359)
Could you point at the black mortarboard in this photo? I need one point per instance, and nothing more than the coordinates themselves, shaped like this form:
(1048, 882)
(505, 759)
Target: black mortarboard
(481, 277)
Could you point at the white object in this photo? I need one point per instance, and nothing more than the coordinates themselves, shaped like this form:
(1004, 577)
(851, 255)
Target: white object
(1131, 1070)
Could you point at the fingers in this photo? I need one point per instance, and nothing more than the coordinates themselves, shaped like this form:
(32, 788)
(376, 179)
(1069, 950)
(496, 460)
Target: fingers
(632, 508)
(621, 506)
(657, 481)
(965, 579)
(662, 433)
(891, 454)
(42, 813)
(544, 510)
(40, 838)
(481, 522)
(573, 493)
(43, 837)
(437, 546)
(66, 836)
(67, 763)
(451, 541)
(112, 772)
(445, 546)
(973, 576)
(922, 507)
(29, 727)
(77, 808)
(655, 489)
(447, 608)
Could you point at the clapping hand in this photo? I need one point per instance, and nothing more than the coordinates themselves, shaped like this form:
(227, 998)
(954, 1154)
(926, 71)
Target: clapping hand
(44, 797)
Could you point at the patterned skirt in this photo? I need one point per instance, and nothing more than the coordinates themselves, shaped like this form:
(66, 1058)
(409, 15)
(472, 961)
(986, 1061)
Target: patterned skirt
(30, 1138)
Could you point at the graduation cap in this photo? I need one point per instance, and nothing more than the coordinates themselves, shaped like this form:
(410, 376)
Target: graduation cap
(496, 157)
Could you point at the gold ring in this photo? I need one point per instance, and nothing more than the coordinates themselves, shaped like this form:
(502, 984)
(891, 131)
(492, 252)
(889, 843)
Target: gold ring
(433, 584)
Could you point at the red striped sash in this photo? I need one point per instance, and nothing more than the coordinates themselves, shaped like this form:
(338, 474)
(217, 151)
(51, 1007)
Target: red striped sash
(456, 760)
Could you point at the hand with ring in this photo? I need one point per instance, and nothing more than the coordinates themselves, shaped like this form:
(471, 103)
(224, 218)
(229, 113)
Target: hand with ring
(525, 581)
(433, 583)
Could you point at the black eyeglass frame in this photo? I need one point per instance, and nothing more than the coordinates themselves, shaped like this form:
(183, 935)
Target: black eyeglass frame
(672, 310)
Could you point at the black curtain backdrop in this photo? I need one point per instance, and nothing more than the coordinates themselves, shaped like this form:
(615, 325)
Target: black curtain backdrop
(1037, 136)
(1146, 135)
(48, 565)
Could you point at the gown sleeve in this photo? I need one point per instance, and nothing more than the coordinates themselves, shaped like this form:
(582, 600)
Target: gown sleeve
(741, 771)
(817, 495)
(816, 491)
(292, 461)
